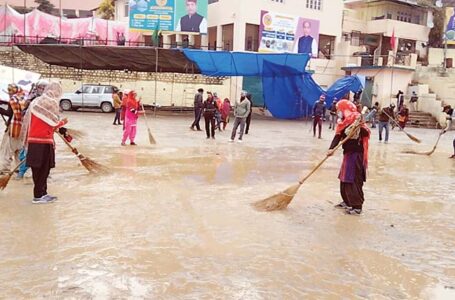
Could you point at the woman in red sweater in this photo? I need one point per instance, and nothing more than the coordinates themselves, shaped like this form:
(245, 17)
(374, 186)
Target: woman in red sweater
(40, 123)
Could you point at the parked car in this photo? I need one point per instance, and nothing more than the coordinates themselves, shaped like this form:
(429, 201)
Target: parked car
(89, 96)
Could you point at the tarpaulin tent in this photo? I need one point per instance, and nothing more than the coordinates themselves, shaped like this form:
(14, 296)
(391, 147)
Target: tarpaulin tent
(225, 63)
(140, 59)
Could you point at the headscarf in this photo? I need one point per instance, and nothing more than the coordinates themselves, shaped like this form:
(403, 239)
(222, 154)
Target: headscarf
(349, 116)
(132, 102)
(44, 107)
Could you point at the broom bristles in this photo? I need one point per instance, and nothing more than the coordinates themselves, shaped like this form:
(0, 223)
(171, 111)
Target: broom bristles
(278, 201)
(4, 180)
(413, 138)
(92, 166)
(151, 138)
(77, 134)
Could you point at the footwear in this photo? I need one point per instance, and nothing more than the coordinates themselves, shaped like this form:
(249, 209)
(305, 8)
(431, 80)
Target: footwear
(453, 156)
(342, 205)
(123, 144)
(354, 211)
(319, 137)
(208, 137)
(19, 177)
(43, 200)
(50, 198)
(386, 142)
(192, 128)
(213, 137)
(199, 130)
(240, 141)
(231, 141)
(133, 144)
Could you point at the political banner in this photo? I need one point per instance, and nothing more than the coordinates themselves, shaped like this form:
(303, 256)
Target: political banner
(280, 33)
(450, 25)
(187, 16)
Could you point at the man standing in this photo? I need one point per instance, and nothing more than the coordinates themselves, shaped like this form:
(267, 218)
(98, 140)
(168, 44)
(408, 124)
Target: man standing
(319, 110)
(413, 101)
(333, 114)
(249, 97)
(11, 143)
(371, 116)
(117, 106)
(307, 44)
(210, 110)
(384, 119)
(198, 103)
(450, 116)
(192, 22)
(241, 111)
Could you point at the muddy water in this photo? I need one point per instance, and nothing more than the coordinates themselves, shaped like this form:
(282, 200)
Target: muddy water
(175, 222)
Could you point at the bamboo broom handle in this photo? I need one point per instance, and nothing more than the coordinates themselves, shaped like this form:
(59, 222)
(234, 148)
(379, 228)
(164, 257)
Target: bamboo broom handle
(74, 150)
(351, 134)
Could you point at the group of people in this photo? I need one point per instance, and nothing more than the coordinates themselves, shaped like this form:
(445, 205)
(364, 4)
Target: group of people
(31, 121)
(217, 113)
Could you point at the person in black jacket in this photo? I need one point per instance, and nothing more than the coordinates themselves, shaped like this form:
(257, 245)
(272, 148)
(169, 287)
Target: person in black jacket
(192, 22)
(210, 110)
(198, 101)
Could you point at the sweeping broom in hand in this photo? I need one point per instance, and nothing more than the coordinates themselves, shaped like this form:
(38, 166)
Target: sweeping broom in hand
(281, 200)
(413, 138)
(151, 138)
(4, 180)
(91, 166)
(429, 153)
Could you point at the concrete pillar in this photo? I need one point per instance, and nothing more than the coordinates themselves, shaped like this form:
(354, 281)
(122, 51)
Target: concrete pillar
(219, 37)
(239, 36)
(166, 41)
(204, 41)
(178, 40)
(191, 40)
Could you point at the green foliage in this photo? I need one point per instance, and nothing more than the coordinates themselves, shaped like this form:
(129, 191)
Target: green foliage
(106, 10)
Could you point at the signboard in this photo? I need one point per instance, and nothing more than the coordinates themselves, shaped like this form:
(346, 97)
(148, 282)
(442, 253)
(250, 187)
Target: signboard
(187, 16)
(22, 78)
(283, 33)
(450, 25)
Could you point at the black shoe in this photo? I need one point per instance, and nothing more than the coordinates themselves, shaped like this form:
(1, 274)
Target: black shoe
(133, 144)
(453, 156)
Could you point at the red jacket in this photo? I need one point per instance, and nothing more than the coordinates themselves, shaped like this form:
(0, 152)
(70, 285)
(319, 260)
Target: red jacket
(40, 132)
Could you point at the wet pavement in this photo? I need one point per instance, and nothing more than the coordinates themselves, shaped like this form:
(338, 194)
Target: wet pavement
(174, 221)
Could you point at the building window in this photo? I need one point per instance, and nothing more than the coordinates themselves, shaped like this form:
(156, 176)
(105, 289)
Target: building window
(252, 37)
(278, 1)
(326, 46)
(314, 4)
(127, 10)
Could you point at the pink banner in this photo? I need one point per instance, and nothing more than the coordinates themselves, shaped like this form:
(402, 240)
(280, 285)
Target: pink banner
(39, 25)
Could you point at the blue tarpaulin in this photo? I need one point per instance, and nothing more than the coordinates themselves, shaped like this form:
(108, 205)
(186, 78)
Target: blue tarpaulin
(293, 96)
(289, 91)
(224, 63)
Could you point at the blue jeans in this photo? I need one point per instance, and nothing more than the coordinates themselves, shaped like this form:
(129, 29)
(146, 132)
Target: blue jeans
(384, 125)
(23, 168)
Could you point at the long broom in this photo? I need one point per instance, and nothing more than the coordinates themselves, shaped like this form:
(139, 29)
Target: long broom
(281, 200)
(429, 153)
(4, 180)
(413, 138)
(151, 138)
(91, 165)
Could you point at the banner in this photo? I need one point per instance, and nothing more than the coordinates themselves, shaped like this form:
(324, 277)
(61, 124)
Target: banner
(169, 15)
(24, 79)
(450, 25)
(283, 33)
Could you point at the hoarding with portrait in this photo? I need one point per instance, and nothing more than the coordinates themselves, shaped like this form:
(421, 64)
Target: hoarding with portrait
(283, 33)
(188, 16)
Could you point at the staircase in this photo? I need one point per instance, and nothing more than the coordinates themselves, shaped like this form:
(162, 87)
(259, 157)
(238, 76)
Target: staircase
(422, 120)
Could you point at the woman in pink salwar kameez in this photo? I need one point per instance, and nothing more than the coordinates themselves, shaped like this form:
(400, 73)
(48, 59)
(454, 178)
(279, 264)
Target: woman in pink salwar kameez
(131, 116)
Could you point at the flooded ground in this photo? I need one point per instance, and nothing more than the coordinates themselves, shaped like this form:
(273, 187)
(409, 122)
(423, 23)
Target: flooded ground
(174, 221)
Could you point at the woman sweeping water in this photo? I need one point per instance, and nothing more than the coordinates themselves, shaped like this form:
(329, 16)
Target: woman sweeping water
(355, 160)
(131, 116)
(40, 123)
